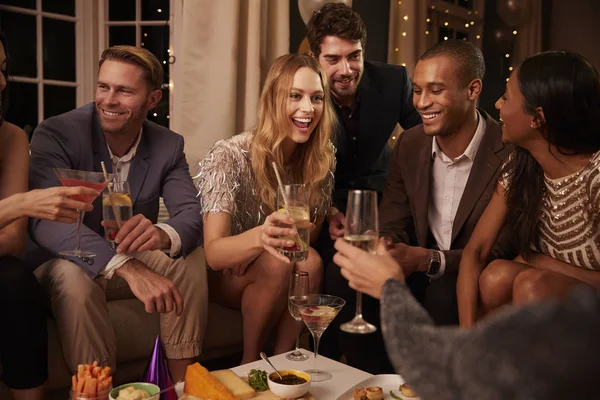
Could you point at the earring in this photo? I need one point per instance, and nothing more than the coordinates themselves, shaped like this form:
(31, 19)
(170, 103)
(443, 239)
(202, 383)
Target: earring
(531, 125)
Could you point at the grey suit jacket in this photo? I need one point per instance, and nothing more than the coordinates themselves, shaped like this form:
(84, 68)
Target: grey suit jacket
(75, 140)
(548, 350)
(403, 209)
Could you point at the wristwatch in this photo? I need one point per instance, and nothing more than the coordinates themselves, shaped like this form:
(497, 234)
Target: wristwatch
(435, 262)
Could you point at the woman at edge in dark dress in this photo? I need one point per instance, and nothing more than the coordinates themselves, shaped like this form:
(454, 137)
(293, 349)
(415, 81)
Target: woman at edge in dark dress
(23, 335)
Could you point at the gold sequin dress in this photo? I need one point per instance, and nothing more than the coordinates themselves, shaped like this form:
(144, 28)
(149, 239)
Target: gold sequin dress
(226, 184)
(570, 217)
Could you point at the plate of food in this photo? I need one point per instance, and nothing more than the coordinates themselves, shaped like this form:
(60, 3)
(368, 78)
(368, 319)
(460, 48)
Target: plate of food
(226, 385)
(380, 387)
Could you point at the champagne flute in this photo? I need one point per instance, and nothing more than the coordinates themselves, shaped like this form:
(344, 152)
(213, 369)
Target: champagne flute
(298, 295)
(362, 231)
(317, 312)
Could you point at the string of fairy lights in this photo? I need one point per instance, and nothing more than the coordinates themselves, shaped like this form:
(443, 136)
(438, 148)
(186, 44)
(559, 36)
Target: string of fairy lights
(449, 20)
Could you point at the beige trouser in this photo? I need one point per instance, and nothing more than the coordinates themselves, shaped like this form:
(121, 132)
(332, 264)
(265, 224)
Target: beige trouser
(81, 313)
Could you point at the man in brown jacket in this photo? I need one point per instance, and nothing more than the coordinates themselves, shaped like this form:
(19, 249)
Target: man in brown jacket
(442, 176)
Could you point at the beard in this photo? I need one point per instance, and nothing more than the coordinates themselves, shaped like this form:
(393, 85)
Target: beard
(347, 91)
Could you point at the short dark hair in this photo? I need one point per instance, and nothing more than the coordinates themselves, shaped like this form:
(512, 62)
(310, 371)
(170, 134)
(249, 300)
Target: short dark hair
(335, 19)
(468, 57)
(153, 71)
(4, 93)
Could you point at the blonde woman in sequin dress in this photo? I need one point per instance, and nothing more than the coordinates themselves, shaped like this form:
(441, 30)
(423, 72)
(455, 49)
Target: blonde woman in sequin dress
(549, 193)
(238, 189)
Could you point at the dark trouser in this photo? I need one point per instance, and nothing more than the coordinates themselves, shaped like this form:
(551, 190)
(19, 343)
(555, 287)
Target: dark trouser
(23, 334)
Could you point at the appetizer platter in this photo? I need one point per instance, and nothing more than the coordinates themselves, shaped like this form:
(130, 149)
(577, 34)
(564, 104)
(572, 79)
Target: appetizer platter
(380, 387)
(226, 385)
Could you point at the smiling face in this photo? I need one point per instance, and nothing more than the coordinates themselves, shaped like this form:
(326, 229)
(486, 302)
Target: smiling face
(343, 63)
(123, 98)
(516, 122)
(304, 105)
(439, 96)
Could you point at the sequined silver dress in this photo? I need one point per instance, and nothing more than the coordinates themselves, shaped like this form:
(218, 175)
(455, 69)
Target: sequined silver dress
(226, 184)
(569, 223)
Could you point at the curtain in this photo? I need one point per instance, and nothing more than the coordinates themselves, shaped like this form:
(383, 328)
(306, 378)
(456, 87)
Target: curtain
(226, 49)
(529, 38)
(406, 41)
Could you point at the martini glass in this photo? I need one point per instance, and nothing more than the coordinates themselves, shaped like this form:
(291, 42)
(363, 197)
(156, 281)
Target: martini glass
(94, 180)
(317, 312)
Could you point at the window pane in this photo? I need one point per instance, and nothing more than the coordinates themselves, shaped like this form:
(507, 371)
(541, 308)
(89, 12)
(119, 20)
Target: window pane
(156, 39)
(19, 3)
(121, 10)
(64, 7)
(23, 106)
(161, 111)
(21, 43)
(121, 35)
(59, 49)
(58, 100)
(155, 10)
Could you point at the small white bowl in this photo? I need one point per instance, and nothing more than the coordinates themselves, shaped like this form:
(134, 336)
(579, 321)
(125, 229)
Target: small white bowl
(289, 391)
(149, 388)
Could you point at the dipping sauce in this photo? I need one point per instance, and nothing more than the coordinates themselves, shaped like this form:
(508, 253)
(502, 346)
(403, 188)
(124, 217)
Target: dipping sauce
(288, 379)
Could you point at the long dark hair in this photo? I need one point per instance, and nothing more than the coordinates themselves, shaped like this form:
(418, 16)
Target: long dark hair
(4, 93)
(567, 88)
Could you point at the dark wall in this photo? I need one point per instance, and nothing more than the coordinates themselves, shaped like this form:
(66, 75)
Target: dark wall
(375, 13)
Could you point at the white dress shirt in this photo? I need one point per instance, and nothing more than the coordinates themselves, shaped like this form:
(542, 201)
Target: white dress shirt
(448, 180)
(120, 167)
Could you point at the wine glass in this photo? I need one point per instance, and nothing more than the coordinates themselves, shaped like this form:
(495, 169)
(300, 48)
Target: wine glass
(362, 231)
(94, 180)
(297, 296)
(296, 203)
(317, 312)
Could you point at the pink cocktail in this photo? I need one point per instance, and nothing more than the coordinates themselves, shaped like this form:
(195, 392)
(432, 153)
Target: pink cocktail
(89, 179)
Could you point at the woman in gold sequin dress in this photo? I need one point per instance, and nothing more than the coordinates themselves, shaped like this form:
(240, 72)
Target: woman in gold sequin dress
(238, 189)
(549, 193)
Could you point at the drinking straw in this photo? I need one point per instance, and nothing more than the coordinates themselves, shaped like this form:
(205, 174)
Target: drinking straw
(110, 196)
(297, 239)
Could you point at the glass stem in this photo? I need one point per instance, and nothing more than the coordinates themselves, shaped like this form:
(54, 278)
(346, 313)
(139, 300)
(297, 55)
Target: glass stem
(358, 312)
(298, 330)
(316, 338)
(79, 222)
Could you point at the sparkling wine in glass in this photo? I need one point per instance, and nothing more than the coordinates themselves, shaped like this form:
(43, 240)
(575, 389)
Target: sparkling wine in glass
(297, 206)
(317, 312)
(94, 180)
(362, 231)
(298, 295)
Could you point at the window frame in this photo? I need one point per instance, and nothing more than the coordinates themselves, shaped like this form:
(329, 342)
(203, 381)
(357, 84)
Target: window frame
(79, 46)
(440, 11)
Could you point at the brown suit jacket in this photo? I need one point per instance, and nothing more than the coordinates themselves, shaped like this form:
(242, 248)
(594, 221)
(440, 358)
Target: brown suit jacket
(403, 209)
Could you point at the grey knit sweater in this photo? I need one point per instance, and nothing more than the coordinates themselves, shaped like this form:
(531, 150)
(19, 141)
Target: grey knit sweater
(543, 351)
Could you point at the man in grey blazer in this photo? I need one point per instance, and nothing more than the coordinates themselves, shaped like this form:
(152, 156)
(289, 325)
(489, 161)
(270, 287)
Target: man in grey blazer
(156, 261)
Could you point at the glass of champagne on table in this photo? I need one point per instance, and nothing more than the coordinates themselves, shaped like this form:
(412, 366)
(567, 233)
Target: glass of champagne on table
(89, 179)
(362, 231)
(317, 311)
(298, 294)
(294, 200)
(116, 209)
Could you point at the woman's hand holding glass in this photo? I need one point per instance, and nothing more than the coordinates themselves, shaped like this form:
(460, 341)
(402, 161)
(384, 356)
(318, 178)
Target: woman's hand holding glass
(366, 272)
(276, 225)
